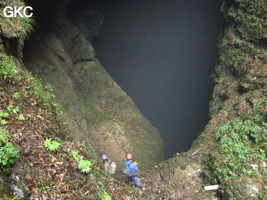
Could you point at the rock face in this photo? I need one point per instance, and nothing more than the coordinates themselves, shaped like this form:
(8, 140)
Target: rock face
(240, 95)
(97, 110)
(101, 114)
(231, 145)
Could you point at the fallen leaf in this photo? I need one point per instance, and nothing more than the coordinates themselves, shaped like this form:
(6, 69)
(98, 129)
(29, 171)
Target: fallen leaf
(35, 191)
(53, 158)
(29, 177)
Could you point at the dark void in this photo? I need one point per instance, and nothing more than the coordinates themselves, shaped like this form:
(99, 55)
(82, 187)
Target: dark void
(162, 53)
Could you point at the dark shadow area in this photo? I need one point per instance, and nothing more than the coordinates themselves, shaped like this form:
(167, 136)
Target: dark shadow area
(162, 54)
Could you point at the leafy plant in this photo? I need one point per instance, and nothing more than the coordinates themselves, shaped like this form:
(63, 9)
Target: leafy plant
(52, 145)
(7, 67)
(106, 196)
(85, 166)
(27, 26)
(13, 109)
(263, 194)
(16, 95)
(75, 155)
(21, 117)
(3, 122)
(3, 139)
(8, 152)
(4, 114)
(44, 92)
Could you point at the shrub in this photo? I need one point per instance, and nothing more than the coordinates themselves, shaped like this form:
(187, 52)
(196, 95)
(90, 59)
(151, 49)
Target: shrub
(8, 152)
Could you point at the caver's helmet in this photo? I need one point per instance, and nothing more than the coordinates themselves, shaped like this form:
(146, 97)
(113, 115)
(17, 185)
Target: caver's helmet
(104, 157)
(129, 156)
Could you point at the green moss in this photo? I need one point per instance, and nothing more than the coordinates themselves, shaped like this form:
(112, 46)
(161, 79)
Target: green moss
(95, 114)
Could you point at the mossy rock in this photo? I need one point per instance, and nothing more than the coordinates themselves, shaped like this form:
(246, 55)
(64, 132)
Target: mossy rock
(241, 188)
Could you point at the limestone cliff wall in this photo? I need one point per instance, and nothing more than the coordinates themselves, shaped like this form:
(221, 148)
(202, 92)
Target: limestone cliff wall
(97, 110)
(100, 113)
(239, 106)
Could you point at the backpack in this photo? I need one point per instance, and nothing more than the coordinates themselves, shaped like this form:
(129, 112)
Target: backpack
(129, 173)
(111, 167)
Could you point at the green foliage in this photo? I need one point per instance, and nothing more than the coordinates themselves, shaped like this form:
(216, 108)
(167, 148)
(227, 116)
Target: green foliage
(45, 95)
(4, 114)
(7, 67)
(85, 166)
(52, 145)
(3, 122)
(237, 60)
(59, 110)
(46, 91)
(75, 155)
(16, 95)
(8, 152)
(3, 138)
(45, 189)
(263, 194)
(13, 109)
(241, 143)
(258, 103)
(96, 115)
(21, 117)
(27, 26)
(106, 196)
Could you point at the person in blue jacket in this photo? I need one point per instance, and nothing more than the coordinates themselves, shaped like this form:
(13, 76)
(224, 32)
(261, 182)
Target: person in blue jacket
(133, 170)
